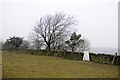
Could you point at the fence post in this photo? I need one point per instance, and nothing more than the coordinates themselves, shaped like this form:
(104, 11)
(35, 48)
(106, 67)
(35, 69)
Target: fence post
(114, 58)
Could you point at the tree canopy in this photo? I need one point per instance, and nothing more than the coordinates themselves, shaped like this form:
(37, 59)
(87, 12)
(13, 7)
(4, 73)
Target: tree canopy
(13, 42)
(76, 43)
(52, 28)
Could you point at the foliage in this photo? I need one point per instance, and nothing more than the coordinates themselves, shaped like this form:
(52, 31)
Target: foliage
(76, 43)
(104, 59)
(97, 58)
(13, 42)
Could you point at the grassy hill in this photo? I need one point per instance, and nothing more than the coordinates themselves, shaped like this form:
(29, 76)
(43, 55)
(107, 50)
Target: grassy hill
(0, 64)
(20, 65)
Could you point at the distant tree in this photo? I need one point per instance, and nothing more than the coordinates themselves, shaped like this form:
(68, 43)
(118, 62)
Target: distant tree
(25, 44)
(13, 42)
(50, 29)
(37, 42)
(76, 43)
(1, 43)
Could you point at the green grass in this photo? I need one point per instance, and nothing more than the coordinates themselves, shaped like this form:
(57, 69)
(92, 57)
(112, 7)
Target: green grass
(35, 66)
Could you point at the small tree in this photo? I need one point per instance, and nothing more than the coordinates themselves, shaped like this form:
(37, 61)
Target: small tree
(13, 42)
(76, 43)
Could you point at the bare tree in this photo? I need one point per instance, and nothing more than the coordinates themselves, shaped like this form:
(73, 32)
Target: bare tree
(52, 28)
(58, 44)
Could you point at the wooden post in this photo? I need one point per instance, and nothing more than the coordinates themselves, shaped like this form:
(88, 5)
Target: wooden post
(114, 58)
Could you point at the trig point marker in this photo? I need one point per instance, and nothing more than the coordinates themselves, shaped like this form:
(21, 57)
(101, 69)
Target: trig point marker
(86, 56)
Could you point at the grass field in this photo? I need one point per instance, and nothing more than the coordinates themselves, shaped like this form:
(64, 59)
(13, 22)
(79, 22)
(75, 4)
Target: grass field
(34, 66)
(0, 64)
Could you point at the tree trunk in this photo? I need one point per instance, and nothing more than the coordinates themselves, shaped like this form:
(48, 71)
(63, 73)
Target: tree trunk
(48, 49)
(72, 52)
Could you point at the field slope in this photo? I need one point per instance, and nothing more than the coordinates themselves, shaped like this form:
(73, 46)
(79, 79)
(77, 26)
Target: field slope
(33, 66)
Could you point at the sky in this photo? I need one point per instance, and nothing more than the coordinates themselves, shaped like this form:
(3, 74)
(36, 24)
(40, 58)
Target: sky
(97, 19)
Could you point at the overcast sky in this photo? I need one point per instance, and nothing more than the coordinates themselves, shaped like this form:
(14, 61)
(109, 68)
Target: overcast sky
(97, 19)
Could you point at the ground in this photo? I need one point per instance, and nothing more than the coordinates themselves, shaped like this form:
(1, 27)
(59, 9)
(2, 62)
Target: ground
(20, 65)
(0, 64)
